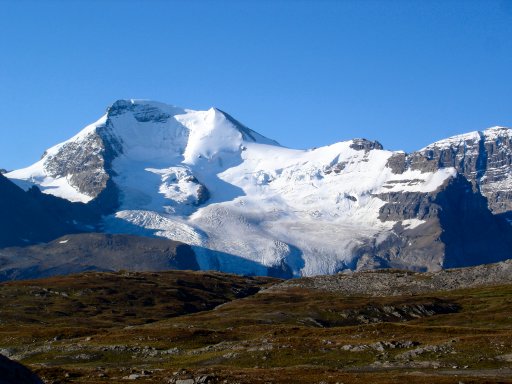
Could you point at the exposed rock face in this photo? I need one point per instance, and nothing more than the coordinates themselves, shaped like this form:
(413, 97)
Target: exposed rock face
(398, 162)
(12, 372)
(88, 165)
(484, 158)
(365, 145)
(457, 229)
(95, 252)
(142, 112)
(182, 187)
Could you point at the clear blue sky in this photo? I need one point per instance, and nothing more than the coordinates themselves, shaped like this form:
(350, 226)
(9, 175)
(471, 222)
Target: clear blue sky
(306, 73)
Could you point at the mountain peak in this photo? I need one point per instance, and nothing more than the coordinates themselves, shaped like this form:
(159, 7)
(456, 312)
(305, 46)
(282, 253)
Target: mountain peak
(144, 110)
(145, 132)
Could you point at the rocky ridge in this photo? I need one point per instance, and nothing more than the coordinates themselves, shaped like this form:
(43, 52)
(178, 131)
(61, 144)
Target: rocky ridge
(76, 253)
(400, 283)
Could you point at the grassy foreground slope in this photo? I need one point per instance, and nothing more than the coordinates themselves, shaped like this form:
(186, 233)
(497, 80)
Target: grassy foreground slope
(146, 327)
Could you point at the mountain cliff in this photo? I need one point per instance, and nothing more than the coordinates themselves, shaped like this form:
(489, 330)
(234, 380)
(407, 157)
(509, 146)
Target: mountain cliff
(248, 205)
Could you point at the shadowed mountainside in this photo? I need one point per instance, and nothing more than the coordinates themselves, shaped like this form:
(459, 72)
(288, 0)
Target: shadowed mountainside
(25, 219)
(95, 251)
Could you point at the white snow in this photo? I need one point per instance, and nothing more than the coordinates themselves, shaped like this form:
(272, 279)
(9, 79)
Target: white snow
(494, 132)
(412, 223)
(210, 135)
(416, 181)
(456, 140)
(36, 175)
(459, 140)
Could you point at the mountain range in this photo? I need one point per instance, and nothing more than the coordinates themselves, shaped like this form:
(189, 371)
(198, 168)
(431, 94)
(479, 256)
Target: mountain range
(248, 205)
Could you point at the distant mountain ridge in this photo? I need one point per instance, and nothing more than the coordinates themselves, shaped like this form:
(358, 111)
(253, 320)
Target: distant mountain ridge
(248, 205)
(94, 252)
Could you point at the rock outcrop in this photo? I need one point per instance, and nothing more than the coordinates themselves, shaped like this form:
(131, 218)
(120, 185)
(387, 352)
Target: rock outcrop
(12, 372)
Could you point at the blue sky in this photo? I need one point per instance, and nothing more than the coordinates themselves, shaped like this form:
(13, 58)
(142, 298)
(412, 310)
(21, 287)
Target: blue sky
(306, 73)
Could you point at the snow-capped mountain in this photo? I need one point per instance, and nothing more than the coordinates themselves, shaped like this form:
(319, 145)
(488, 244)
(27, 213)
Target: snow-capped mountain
(249, 205)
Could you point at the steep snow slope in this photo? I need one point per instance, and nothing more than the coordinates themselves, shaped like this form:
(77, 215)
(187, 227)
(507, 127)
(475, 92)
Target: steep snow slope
(247, 204)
